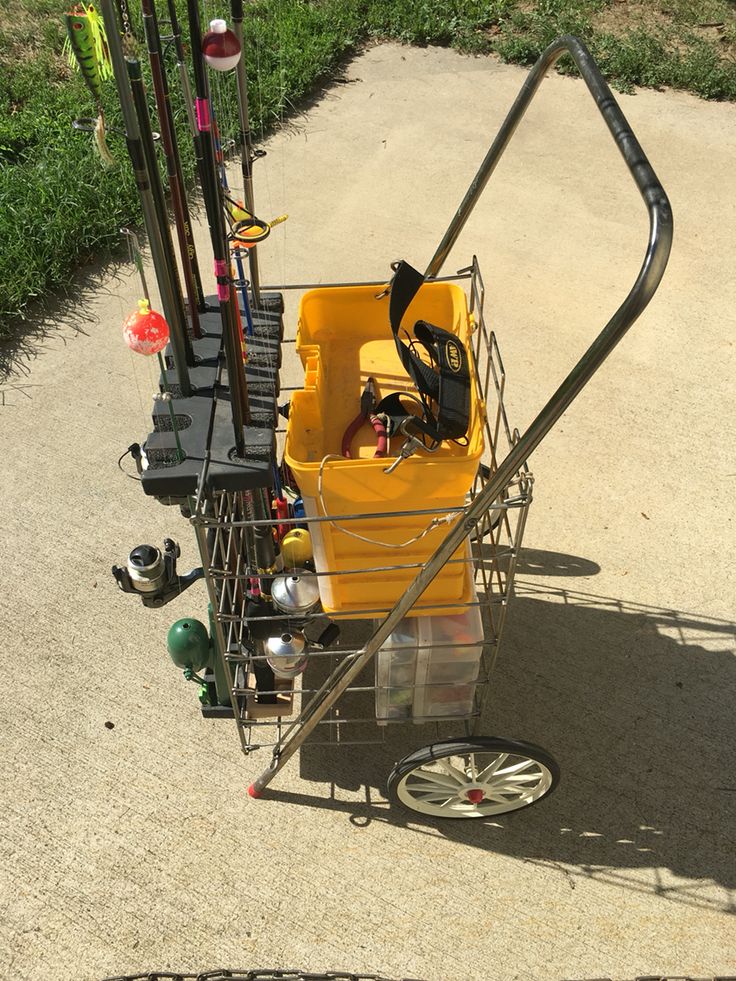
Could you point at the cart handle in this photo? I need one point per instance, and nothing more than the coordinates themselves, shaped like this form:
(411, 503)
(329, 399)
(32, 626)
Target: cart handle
(646, 180)
(652, 270)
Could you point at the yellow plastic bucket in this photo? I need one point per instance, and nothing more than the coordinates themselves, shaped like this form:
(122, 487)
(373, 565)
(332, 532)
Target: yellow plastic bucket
(343, 338)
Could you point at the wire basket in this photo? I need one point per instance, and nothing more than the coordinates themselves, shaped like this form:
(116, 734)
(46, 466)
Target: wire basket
(226, 526)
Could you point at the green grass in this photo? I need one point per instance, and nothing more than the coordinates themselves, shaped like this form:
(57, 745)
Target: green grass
(59, 207)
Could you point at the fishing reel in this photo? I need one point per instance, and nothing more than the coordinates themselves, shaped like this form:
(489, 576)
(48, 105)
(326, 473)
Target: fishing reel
(152, 574)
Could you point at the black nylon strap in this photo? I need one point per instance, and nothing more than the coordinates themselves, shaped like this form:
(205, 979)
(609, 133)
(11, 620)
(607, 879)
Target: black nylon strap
(396, 412)
(447, 380)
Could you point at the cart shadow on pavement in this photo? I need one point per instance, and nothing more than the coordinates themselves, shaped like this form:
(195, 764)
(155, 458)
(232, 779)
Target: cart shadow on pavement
(636, 704)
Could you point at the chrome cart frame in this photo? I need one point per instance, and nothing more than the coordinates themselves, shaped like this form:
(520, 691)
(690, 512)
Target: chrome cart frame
(492, 519)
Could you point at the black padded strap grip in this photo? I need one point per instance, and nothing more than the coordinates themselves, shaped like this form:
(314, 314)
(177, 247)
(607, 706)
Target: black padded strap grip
(447, 384)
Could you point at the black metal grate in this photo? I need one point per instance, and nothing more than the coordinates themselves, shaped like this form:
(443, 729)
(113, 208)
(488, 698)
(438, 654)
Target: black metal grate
(272, 974)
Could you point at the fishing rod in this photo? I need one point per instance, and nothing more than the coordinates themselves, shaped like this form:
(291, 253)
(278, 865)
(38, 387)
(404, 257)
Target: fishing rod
(140, 104)
(246, 229)
(181, 64)
(222, 50)
(173, 312)
(187, 250)
(235, 251)
(186, 91)
(214, 205)
(247, 154)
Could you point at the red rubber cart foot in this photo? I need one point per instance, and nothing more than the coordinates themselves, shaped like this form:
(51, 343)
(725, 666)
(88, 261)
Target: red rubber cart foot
(252, 792)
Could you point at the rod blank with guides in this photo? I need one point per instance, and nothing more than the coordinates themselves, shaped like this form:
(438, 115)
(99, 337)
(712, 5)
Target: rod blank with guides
(172, 310)
(187, 248)
(215, 217)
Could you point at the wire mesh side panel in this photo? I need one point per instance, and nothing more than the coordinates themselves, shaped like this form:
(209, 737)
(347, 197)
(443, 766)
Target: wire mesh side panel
(268, 714)
(221, 525)
(499, 532)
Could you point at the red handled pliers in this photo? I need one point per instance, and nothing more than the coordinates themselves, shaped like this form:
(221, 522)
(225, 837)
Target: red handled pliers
(367, 406)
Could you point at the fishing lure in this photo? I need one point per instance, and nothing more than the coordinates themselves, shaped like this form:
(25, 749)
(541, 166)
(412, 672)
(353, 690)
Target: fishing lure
(86, 49)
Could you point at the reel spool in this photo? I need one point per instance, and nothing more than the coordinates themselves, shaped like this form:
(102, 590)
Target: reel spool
(152, 574)
(146, 569)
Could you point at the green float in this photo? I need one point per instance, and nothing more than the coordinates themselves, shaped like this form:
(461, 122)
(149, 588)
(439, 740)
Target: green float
(188, 644)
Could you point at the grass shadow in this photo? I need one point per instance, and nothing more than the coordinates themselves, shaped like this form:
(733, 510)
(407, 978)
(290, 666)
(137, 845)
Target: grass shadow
(58, 316)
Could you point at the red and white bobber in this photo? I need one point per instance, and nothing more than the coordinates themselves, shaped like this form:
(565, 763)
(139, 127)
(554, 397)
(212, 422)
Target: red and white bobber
(220, 47)
(145, 331)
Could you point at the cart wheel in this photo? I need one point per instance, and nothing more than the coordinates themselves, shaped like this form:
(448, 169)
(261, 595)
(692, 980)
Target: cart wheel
(476, 777)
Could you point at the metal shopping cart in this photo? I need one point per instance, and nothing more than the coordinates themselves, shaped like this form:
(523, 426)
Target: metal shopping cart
(434, 665)
(351, 590)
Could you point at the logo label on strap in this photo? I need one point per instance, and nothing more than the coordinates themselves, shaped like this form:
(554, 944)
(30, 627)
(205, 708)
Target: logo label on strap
(453, 356)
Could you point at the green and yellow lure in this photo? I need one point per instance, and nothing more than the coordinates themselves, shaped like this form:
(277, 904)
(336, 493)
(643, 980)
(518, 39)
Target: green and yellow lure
(86, 49)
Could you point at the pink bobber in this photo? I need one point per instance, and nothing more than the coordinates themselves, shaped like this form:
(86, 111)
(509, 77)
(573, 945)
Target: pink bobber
(220, 47)
(145, 331)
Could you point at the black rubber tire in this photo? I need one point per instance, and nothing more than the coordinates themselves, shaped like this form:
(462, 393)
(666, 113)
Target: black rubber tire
(471, 744)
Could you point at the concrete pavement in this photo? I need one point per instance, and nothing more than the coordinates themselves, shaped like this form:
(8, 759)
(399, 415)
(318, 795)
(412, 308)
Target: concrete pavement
(135, 847)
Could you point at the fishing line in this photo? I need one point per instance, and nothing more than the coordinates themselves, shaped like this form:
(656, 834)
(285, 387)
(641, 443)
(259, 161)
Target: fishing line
(218, 110)
(261, 116)
(143, 180)
(220, 157)
(245, 228)
(143, 408)
(282, 100)
(248, 154)
(134, 256)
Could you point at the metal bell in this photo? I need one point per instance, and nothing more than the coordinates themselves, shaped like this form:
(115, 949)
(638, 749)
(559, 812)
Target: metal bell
(286, 654)
(296, 593)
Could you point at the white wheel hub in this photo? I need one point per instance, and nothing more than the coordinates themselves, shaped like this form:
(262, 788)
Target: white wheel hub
(472, 785)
